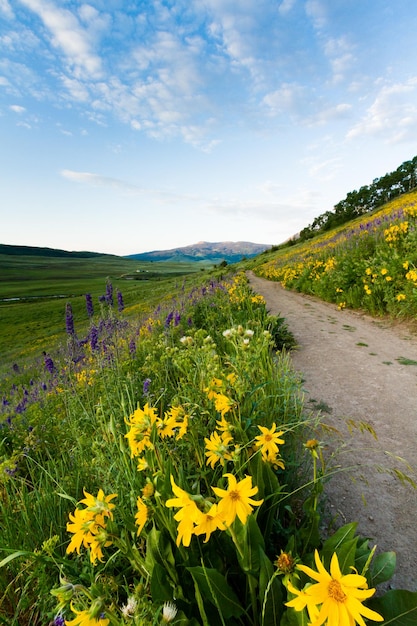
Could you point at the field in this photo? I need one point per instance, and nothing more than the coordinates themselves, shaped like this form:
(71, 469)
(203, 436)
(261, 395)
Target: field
(34, 291)
(156, 461)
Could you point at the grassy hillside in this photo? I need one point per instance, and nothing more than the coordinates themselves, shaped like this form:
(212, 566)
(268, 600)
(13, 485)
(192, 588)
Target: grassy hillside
(35, 288)
(370, 263)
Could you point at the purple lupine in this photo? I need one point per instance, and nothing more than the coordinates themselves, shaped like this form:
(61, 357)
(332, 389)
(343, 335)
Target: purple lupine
(177, 318)
(59, 621)
(69, 320)
(109, 293)
(120, 302)
(132, 347)
(89, 304)
(49, 364)
(16, 368)
(94, 338)
(169, 319)
(146, 386)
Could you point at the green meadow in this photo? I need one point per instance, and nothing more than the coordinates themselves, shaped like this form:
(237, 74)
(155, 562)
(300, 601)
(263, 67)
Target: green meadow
(157, 464)
(34, 290)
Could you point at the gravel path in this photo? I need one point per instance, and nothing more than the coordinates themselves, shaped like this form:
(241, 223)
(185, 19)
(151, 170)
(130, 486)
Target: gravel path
(355, 367)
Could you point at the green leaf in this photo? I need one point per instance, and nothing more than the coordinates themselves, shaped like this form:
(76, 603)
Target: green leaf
(343, 542)
(383, 567)
(250, 539)
(398, 607)
(161, 590)
(14, 555)
(292, 617)
(270, 592)
(340, 536)
(215, 589)
(159, 550)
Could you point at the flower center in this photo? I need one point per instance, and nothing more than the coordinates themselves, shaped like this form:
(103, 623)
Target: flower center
(336, 592)
(234, 495)
(268, 437)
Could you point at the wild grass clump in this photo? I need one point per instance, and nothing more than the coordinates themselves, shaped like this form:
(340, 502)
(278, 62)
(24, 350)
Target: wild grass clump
(370, 264)
(164, 471)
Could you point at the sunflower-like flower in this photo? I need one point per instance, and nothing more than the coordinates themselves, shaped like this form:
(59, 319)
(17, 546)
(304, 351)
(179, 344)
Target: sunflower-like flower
(141, 423)
(268, 442)
(88, 525)
(209, 522)
(217, 448)
(188, 515)
(142, 515)
(236, 500)
(335, 599)
(174, 423)
(223, 403)
(94, 616)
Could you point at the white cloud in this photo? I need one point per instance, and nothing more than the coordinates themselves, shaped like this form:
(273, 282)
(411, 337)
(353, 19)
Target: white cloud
(317, 13)
(392, 115)
(290, 98)
(286, 6)
(97, 180)
(324, 171)
(330, 113)
(76, 89)
(17, 108)
(341, 57)
(6, 9)
(69, 36)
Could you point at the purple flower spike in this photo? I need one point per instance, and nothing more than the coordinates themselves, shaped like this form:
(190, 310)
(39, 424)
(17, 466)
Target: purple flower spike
(89, 304)
(49, 364)
(146, 385)
(94, 338)
(69, 320)
(120, 302)
(132, 347)
(109, 293)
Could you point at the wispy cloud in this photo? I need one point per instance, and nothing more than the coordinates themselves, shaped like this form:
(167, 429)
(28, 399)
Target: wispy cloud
(6, 9)
(16, 108)
(392, 115)
(98, 180)
(68, 36)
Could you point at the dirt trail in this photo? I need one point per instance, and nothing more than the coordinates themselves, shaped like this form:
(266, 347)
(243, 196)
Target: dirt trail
(355, 367)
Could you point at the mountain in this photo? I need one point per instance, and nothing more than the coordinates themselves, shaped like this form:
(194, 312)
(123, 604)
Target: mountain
(230, 251)
(46, 252)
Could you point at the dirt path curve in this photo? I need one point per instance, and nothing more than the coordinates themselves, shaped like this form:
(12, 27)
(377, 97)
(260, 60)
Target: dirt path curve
(355, 367)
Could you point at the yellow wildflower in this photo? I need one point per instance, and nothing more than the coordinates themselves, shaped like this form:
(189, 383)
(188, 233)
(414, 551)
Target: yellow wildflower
(188, 516)
(338, 597)
(142, 515)
(217, 448)
(223, 404)
(236, 499)
(209, 522)
(268, 442)
(87, 618)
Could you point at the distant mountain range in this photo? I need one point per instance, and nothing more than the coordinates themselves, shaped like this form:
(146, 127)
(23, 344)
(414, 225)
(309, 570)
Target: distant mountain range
(46, 252)
(230, 251)
(204, 251)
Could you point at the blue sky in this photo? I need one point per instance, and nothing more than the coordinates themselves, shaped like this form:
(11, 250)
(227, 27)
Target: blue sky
(129, 126)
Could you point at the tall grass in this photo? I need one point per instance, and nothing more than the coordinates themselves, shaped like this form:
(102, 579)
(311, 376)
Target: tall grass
(370, 264)
(121, 462)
